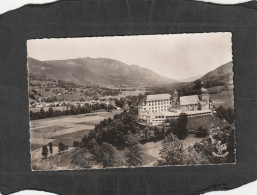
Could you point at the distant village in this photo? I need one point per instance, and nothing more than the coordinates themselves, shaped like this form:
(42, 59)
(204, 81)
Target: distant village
(42, 104)
(54, 93)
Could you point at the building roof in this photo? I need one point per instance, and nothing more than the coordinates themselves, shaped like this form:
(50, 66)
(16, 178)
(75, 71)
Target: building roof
(187, 100)
(158, 97)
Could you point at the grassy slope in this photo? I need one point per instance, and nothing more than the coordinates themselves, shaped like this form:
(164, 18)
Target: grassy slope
(207, 121)
(225, 99)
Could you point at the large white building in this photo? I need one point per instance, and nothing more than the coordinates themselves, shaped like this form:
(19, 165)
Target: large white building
(155, 109)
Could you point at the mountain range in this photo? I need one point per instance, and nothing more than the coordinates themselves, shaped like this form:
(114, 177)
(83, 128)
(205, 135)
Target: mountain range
(97, 71)
(112, 73)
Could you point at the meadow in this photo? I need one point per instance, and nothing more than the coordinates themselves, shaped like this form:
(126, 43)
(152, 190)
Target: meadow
(64, 129)
(224, 98)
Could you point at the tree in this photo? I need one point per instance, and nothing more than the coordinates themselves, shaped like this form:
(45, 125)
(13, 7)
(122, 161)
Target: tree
(50, 147)
(75, 144)
(42, 113)
(120, 102)
(95, 150)
(197, 85)
(44, 151)
(180, 129)
(109, 155)
(134, 156)
(130, 140)
(172, 126)
(146, 133)
(172, 152)
(61, 147)
(227, 114)
(84, 141)
(51, 112)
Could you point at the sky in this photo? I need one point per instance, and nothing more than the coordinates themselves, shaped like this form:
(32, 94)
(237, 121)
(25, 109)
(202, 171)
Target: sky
(177, 56)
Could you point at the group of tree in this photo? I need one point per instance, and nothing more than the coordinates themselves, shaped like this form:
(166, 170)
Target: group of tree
(225, 136)
(110, 135)
(174, 153)
(120, 102)
(179, 126)
(226, 113)
(190, 88)
(45, 150)
(114, 131)
(104, 153)
(100, 91)
(80, 159)
(132, 101)
(70, 110)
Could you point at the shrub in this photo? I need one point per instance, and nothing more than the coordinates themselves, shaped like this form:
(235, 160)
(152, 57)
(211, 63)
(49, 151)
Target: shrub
(202, 132)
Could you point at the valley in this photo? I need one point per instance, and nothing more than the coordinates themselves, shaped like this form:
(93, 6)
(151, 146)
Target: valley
(87, 108)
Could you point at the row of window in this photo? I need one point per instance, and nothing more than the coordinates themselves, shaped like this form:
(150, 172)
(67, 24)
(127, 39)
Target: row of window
(159, 110)
(158, 120)
(159, 116)
(155, 104)
(158, 101)
(159, 107)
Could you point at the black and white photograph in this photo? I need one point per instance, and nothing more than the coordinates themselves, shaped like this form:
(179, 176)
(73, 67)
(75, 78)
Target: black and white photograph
(131, 101)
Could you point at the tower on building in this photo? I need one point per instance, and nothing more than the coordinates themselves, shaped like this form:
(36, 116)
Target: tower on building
(174, 96)
(204, 95)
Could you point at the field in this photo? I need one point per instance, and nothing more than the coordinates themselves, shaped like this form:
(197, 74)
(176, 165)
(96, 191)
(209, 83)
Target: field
(64, 129)
(225, 99)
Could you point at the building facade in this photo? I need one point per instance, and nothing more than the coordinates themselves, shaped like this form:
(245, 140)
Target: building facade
(155, 109)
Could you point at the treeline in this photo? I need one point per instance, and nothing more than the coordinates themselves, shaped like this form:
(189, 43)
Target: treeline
(189, 88)
(72, 110)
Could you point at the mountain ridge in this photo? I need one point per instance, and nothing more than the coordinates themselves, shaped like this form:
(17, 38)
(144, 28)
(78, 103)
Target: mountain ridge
(98, 71)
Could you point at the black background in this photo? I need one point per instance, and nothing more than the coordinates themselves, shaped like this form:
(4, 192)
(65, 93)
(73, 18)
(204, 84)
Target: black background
(125, 17)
